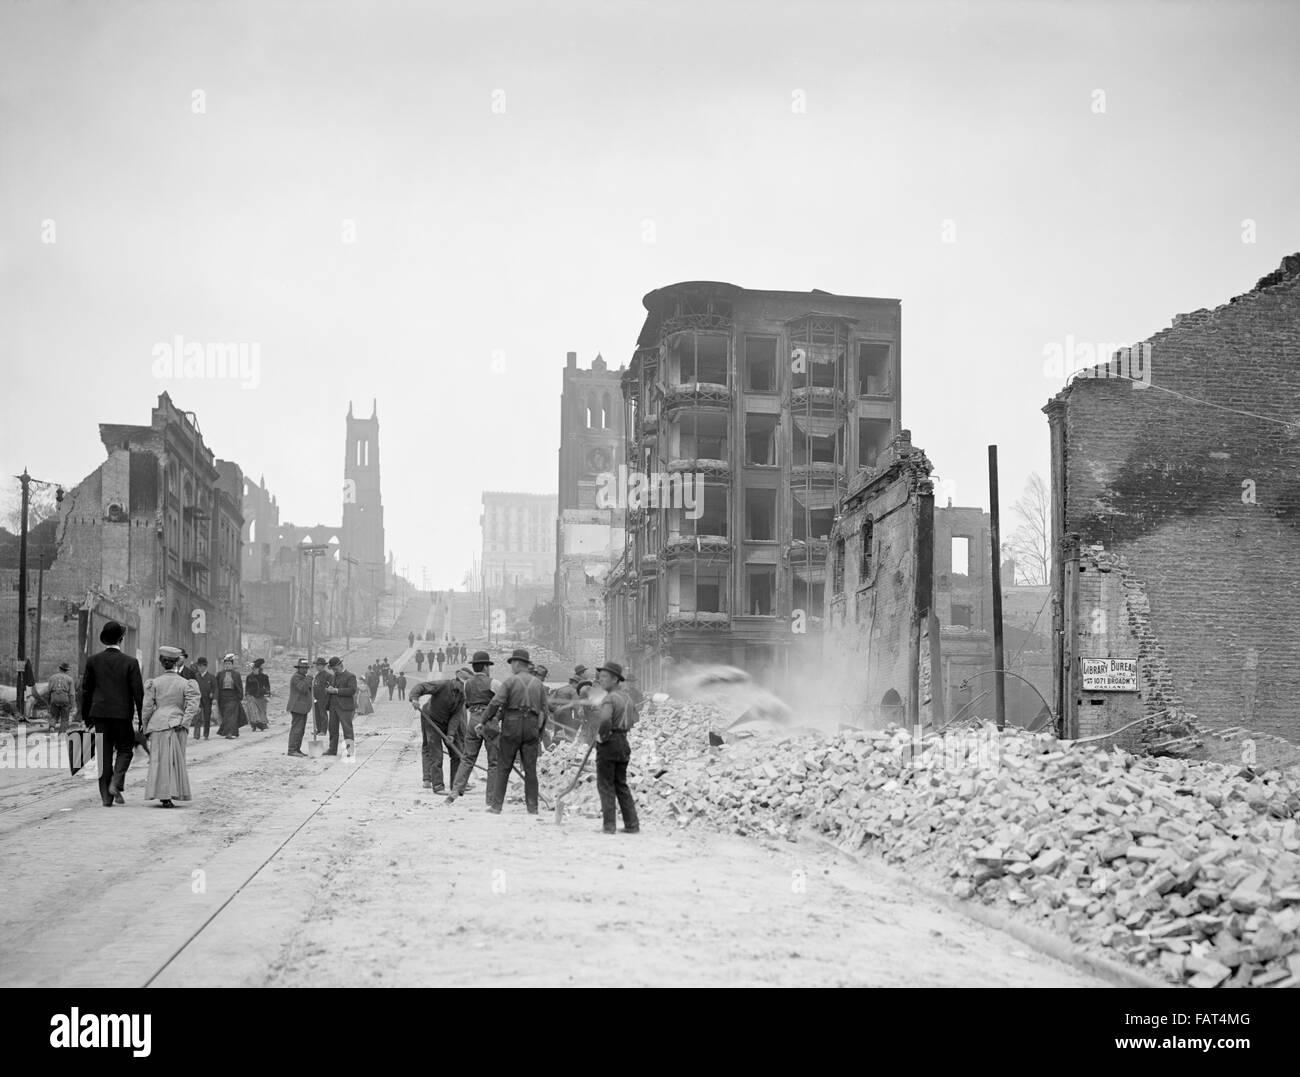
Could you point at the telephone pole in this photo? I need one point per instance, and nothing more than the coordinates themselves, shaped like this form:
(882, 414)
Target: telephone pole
(313, 552)
(20, 666)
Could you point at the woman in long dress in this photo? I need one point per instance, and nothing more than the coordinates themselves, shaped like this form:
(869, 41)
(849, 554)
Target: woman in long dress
(170, 705)
(364, 706)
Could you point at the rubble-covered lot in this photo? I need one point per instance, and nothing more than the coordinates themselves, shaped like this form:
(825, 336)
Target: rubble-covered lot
(1188, 870)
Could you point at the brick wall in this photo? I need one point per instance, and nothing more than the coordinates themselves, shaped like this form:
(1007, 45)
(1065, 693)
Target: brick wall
(1202, 504)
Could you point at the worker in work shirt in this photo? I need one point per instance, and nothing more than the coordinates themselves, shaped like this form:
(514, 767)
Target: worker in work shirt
(477, 685)
(519, 706)
(615, 717)
(441, 716)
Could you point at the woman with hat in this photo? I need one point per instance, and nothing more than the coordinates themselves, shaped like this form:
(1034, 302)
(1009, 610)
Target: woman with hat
(170, 705)
(257, 686)
(612, 751)
(230, 698)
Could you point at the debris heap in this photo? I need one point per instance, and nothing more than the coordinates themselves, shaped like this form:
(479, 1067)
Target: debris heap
(1191, 870)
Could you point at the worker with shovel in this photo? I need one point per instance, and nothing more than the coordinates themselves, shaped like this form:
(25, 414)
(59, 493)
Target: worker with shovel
(441, 721)
(521, 705)
(477, 682)
(616, 718)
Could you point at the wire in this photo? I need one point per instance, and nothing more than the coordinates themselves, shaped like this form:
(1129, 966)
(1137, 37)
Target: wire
(1290, 423)
(1026, 640)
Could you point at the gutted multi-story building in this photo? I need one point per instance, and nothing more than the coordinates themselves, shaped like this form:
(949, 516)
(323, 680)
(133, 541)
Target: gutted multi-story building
(589, 532)
(518, 543)
(154, 532)
(747, 414)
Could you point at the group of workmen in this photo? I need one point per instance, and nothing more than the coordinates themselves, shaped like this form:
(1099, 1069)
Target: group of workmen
(471, 711)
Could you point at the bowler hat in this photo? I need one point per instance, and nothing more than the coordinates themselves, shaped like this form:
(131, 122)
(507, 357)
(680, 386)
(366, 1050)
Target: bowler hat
(612, 667)
(112, 632)
(63, 666)
(335, 662)
(579, 670)
(481, 658)
(519, 655)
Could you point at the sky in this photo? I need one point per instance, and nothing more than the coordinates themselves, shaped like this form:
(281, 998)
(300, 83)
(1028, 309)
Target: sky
(428, 205)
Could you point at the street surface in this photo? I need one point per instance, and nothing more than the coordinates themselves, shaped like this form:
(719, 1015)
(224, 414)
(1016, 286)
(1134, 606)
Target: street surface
(321, 872)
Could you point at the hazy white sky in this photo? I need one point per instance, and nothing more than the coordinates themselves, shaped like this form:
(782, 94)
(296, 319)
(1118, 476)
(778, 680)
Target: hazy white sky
(640, 144)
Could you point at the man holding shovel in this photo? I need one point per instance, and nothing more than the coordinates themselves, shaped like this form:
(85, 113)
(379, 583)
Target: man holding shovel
(478, 694)
(441, 718)
(615, 717)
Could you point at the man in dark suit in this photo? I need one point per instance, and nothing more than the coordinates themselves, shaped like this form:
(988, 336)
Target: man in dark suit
(112, 696)
(343, 705)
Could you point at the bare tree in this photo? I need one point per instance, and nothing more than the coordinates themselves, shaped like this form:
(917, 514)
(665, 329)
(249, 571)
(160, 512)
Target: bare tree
(1029, 543)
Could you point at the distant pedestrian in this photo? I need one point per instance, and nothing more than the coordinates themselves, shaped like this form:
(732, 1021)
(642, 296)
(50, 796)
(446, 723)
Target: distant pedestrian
(171, 703)
(60, 691)
(257, 686)
(441, 656)
(464, 653)
(207, 686)
(478, 689)
(390, 682)
(401, 686)
(112, 694)
(411, 639)
(419, 661)
(300, 703)
(343, 705)
(616, 718)
(320, 697)
(519, 706)
(230, 698)
(372, 681)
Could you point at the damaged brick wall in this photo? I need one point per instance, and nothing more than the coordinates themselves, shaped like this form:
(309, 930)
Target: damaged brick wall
(1199, 499)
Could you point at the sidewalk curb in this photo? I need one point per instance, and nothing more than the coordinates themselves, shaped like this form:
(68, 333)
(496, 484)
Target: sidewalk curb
(1042, 941)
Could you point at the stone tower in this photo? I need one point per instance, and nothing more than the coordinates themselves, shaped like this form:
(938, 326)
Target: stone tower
(363, 510)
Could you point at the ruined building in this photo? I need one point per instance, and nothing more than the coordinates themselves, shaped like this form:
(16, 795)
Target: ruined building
(152, 538)
(1176, 523)
(589, 535)
(747, 414)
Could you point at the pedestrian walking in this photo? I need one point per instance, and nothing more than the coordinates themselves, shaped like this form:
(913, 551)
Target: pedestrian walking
(171, 703)
(257, 686)
(441, 656)
(419, 661)
(301, 695)
(616, 718)
(320, 697)
(464, 651)
(372, 680)
(476, 684)
(343, 704)
(185, 667)
(390, 682)
(442, 715)
(207, 686)
(401, 686)
(230, 698)
(519, 706)
(59, 694)
(410, 639)
(112, 694)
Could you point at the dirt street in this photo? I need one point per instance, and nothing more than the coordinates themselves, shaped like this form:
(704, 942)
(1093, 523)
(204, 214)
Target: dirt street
(297, 872)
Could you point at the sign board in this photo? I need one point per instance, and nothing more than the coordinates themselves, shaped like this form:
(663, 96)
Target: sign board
(1108, 674)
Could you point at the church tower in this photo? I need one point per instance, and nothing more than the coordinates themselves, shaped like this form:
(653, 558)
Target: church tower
(363, 510)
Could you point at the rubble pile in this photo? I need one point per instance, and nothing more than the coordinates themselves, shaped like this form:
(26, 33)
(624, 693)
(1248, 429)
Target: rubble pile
(1190, 870)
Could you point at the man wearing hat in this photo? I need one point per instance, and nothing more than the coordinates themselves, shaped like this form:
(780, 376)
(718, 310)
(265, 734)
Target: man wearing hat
(300, 702)
(342, 691)
(112, 694)
(615, 718)
(60, 692)
(520, 706)
(477, 686)
(257, 686)
(207, 685)
(320, 697)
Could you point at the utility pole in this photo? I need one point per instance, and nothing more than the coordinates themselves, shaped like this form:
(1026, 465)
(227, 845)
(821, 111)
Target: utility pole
(313, 552)
(347, 609)
(20, 667)
(999, 675)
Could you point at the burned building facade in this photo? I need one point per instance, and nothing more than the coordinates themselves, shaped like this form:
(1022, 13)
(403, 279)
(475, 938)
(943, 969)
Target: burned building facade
(1175, 525)
(154, 534)
(747, 414)
(589, 530)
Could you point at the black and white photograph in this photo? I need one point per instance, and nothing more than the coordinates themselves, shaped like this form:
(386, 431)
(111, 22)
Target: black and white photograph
(676, 494)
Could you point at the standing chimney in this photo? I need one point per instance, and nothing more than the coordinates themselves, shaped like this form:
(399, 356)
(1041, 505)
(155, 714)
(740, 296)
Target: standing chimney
(571, 361)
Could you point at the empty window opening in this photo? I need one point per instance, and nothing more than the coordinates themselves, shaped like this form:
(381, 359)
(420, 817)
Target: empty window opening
(873, 369)
(760, 440)
(868, 538)
(703, 436)
(809, 597)
(701, 591)
(873, 436)
(760, 364)
(606, 415)
(760, 514)
(891, 707)
(810, 449)
(760, 590)
(837, 584)
(961, 616)
(710, 511)
(696, 357)
(811, 524)
(960, 557)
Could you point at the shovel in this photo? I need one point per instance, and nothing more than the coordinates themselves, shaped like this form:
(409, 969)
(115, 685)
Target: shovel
(559, 800)
(314, 747)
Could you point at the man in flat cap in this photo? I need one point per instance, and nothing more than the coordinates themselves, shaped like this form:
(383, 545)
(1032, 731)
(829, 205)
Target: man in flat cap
(300, 703)
(520, 706)
(112, 696)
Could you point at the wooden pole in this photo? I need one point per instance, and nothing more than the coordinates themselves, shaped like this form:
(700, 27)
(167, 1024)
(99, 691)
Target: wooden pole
(999, 677)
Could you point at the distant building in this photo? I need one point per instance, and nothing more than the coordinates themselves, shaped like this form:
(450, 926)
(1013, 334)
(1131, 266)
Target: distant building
(589, 535)
(757, 407)
(518, 543)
